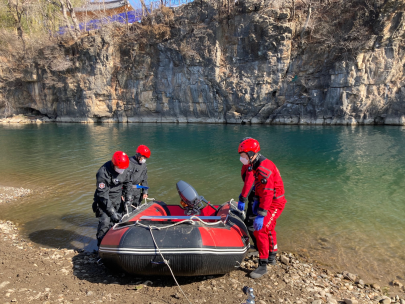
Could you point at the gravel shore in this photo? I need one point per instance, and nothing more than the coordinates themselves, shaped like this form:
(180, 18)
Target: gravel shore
(31, 274)
(8, 194)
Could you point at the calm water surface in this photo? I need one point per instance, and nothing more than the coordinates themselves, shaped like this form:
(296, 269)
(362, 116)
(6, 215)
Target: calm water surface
(345, 186)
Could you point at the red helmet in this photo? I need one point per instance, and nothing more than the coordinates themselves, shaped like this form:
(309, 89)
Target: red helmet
(249, 145)
(143, 150)
(120, 160)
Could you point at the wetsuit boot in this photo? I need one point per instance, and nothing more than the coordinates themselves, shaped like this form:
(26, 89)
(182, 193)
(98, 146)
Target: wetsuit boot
(260, 271)
(272, 258)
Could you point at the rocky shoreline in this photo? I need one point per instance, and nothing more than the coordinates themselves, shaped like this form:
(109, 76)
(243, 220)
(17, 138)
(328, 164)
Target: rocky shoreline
(32, 274)
(230, 119)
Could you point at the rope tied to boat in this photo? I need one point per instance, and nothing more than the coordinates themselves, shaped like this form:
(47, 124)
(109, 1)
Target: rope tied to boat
(166, 262)
(151, 228)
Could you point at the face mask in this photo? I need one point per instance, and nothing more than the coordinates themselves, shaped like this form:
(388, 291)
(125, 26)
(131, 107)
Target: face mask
(143, 161)
(244, 160)
(118, 170)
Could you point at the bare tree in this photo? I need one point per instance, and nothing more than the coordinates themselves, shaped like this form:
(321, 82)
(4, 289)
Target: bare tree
(17, 10)
(65, 7)
(144, 8)
(72, 16)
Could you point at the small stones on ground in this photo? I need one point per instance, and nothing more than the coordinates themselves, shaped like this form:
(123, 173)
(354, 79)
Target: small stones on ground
(349, 276)
(397, 283)
(64, 271)
(386, 301)
(284, 259)
(176, 296)
(4, 284)
(290, 282)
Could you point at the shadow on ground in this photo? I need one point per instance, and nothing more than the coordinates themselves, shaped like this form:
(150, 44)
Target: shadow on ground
(71, 231)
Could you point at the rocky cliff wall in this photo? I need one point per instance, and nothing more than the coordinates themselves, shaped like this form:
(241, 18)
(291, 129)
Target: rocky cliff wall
(250, 68)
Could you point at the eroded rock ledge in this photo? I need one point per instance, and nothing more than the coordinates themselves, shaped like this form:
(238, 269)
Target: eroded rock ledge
(253, 68)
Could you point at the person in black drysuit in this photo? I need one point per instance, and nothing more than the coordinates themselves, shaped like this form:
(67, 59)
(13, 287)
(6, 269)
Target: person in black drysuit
(112, 181)
(138, 174)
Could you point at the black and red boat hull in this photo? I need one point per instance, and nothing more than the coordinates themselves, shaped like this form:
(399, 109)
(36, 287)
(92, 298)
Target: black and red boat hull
(191, 249)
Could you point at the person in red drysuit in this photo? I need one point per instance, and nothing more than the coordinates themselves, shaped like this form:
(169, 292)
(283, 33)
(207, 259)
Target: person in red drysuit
(248, 195)
(269, 189)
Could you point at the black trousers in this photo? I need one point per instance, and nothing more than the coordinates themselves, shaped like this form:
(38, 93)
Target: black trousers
(104, 224)
(104, 220)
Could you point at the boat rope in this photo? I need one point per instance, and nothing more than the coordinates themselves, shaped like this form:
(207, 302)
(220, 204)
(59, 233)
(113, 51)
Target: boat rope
(116, 227)
(167, 263)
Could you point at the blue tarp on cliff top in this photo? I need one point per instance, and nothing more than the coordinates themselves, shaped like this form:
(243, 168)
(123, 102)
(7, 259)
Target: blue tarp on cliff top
(133, 16)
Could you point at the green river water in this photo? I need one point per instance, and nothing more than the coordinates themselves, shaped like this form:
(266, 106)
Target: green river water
(345, 186)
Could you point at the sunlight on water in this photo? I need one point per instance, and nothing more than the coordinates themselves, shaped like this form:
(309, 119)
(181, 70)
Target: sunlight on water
(345, 186)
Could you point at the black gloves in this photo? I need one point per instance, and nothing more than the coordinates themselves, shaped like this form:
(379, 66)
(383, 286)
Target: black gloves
(114, 216)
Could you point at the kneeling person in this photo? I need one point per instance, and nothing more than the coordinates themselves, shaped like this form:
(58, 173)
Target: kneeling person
(112, 182)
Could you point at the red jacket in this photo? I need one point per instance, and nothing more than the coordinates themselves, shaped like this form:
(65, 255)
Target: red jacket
(248, 180)
(269, 186)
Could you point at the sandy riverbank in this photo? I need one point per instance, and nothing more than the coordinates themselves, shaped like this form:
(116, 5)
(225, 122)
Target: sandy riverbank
(31, 274)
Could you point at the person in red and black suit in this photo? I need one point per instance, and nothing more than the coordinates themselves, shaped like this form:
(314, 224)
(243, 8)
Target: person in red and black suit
(269, 190)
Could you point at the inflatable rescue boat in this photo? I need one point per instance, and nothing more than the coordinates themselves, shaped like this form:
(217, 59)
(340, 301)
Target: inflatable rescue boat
(194, 238)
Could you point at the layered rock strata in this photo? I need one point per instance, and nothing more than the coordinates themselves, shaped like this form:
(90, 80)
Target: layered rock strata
(250, 68)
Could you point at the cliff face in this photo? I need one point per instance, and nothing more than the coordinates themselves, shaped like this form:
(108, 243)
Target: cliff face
(250, 68)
